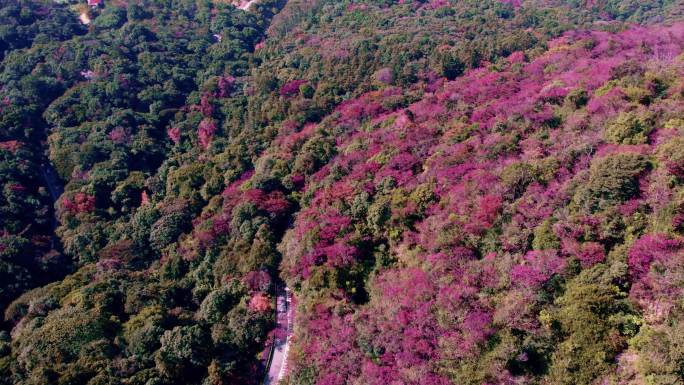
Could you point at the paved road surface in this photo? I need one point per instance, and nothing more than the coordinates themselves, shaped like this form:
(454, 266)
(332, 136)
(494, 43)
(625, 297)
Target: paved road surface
(55, 188)
(51, 181)
(283, 331)
(247, 5)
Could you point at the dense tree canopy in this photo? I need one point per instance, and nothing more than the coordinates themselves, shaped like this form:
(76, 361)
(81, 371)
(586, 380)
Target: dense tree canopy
(457, 191)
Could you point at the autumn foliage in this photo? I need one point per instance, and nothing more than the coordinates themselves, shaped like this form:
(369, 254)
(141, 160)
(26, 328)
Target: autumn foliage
(454, 192)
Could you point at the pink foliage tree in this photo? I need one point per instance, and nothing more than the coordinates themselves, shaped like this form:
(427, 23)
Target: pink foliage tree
(205, 132)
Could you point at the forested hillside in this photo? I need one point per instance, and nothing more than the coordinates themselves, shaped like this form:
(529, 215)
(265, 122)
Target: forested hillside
(456, 191)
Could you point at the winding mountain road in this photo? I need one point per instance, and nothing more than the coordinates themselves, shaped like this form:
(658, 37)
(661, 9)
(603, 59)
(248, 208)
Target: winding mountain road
(248, 4)
(51, 180)
(277, 369)
(55, 188)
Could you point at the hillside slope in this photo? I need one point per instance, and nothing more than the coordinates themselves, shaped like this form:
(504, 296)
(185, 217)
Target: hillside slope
(456, 191)
(521, 224)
